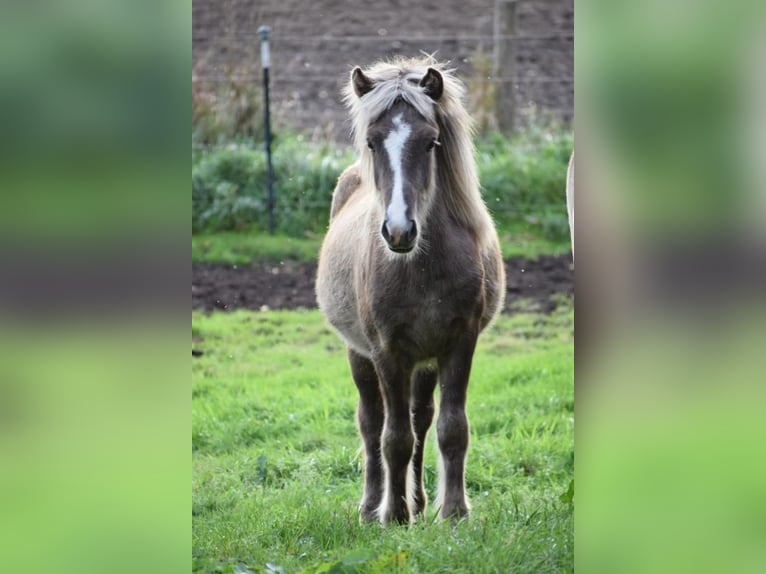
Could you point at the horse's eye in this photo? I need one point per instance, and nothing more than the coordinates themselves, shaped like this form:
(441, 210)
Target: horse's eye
(431, 144)
(369, 145)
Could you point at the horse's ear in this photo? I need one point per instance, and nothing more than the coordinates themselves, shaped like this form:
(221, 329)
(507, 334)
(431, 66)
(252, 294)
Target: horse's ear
(433, 84)
(362, 84)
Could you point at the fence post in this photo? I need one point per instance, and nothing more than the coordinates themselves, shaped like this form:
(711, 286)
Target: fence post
(266, 64)
(504, 66)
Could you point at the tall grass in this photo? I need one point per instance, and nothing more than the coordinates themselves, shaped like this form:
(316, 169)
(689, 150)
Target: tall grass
(227, 110)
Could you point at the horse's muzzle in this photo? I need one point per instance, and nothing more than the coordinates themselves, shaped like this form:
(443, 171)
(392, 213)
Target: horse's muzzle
(400, 240)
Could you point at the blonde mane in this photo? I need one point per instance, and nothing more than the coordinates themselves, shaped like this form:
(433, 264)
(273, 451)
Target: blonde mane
(456, 163)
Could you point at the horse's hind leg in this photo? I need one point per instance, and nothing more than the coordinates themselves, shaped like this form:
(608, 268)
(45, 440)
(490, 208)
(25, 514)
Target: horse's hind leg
(423, 384)
(452, 426)
(369, 416)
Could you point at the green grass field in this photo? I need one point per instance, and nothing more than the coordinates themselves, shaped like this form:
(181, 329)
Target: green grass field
(277, 470)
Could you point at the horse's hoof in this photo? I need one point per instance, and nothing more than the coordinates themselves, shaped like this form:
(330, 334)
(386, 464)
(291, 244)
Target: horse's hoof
(396, 517)
(419, 504)
(455, 513)
(368, 514)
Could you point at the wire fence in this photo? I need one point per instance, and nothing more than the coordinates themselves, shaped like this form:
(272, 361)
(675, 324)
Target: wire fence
(277, 79)
(244, 35)
(309, 70)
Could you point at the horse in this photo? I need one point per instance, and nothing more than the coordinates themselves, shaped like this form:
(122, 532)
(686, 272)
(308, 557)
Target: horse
(570, 191)
(409, 274)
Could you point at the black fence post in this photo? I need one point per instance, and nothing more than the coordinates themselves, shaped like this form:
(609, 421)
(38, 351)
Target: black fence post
(266, 64)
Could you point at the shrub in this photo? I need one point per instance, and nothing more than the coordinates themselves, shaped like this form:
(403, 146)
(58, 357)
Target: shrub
(225, 190)
(523, 180)
(229, 187)
(306, 175)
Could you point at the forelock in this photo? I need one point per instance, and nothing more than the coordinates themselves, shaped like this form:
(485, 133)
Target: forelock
(393, 81)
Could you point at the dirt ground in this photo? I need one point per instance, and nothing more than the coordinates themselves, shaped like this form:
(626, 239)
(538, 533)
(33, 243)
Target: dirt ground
(532, 283)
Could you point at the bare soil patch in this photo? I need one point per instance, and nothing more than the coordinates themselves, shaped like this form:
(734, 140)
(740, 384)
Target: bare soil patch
(532, 284)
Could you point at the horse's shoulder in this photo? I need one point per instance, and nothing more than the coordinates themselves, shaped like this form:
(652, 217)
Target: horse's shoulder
(348, 182)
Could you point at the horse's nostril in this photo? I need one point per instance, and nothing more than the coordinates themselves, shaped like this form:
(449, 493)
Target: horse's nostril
(412, 231)
(384, 231)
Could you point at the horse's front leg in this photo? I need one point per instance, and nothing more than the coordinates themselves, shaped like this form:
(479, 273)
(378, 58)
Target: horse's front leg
(369, 417)
(397, 440)
(452, 426)
(423, 384)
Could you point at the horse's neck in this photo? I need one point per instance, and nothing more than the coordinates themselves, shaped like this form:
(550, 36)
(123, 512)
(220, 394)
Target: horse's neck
(460, 212)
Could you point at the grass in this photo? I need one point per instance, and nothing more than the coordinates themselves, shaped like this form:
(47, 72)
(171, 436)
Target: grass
(243, 248)
(277, 468)
(522, 240)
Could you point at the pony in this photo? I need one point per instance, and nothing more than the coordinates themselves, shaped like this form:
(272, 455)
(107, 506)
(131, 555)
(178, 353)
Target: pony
(570, 191)
(409, 274)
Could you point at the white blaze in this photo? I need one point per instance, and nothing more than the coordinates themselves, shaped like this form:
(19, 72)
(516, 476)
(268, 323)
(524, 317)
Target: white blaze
(396, 214)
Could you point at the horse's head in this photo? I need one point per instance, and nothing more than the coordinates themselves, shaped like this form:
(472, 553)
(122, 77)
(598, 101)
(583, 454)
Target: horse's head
(402, 143)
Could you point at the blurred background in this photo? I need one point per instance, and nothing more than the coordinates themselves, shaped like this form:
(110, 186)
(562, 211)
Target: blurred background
(671, 286)
(94, 211)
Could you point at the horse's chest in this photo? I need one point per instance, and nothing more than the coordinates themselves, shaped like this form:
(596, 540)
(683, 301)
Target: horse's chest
(426, 310)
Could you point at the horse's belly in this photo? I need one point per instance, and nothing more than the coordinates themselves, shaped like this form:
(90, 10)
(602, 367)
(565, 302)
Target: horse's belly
(341, 314)
(336, 296)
